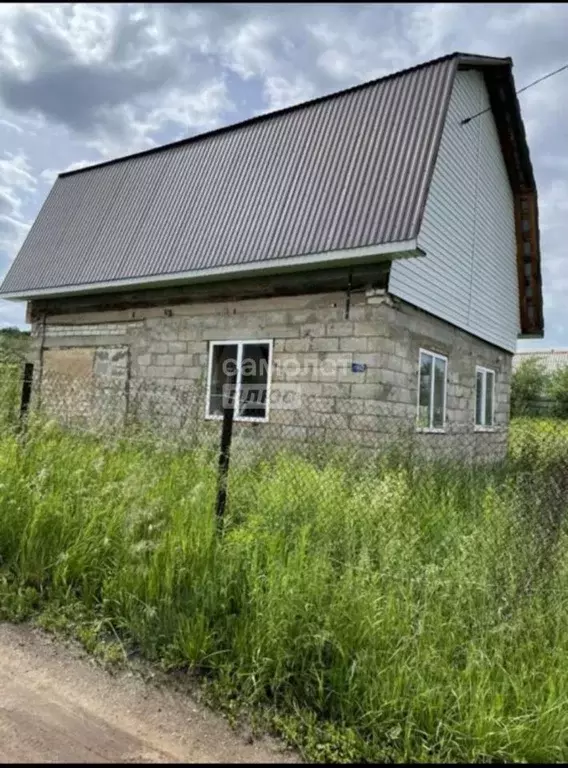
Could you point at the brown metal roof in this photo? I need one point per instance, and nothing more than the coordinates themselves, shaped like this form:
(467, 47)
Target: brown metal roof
(347, 171)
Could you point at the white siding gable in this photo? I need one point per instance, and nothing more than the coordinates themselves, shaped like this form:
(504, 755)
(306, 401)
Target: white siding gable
(469, 274)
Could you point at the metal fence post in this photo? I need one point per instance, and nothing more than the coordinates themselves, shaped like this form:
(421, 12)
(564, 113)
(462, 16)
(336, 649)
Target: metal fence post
(224, 456)
(26, 389)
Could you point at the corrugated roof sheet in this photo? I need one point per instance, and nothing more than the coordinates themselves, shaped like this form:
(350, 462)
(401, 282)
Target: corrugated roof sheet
(550, 359)
(348, 170)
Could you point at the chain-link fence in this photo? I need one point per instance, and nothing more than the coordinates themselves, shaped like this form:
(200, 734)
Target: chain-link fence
(187, 412)
(182, 413)
(544, 407)
(374, 577)
(527, 464)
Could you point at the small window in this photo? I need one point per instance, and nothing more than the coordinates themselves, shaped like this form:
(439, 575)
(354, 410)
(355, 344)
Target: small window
(239, 376)
(432, 390)
(484, 397)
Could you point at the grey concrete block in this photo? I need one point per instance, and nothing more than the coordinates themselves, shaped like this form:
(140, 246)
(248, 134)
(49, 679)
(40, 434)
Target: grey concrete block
(324, 344)
(183, 360)
(350, 406)
(339, 329)
(353, 344)
(297, 345)
(315, 330)
(177, 347)
(320, 404)
(365, 391)
(339, 390)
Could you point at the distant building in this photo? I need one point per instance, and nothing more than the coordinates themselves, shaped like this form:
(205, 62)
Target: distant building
(551, 359)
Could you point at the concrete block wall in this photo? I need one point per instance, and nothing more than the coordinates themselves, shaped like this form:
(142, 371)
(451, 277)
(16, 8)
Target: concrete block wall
(314, 392)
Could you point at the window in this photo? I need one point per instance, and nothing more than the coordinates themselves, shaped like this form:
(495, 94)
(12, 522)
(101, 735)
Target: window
(432, 390)
(239, 375)
(484, 397)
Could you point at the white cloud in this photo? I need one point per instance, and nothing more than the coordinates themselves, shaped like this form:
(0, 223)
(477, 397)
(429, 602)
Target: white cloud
(16, 184)
(49, 175)
(13, 126)
(431, 26)
(282, 92)
(15, 171)
(246, 49)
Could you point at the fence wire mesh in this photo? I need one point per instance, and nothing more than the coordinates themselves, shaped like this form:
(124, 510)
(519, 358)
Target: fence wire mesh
(299, 441)
(437, 549)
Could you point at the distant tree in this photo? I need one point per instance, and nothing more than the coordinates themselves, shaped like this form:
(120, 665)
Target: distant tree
(530, 383)
(12, 331)
(558, 392)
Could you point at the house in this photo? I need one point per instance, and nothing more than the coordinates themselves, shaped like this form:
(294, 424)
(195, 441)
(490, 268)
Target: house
(551, 360)
(354, 266)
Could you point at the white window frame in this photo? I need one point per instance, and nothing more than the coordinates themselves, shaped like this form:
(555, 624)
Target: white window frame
(239, 343)
(484, 427)
(434, 355)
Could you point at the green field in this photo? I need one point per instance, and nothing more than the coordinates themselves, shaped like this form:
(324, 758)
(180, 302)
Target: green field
(368, 611)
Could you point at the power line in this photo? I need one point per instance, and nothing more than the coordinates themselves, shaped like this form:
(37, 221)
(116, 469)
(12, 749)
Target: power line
(544, 77)
(524, 88)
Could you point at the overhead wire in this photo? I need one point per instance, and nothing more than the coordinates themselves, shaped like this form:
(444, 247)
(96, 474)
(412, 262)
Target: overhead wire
(524, 88)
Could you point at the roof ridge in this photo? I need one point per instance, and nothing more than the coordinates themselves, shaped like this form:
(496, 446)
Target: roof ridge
(274, 113)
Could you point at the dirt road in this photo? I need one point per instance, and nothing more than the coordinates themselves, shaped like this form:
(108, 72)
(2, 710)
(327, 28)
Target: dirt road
(58, 705)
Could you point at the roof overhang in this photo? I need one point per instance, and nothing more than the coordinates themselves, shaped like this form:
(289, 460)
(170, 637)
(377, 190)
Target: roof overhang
(345, 257)
(505, 107)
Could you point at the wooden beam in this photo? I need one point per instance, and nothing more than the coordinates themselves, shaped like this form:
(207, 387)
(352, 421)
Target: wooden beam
(536, 277)
(529, 325)
(291, 284)
(521, 263)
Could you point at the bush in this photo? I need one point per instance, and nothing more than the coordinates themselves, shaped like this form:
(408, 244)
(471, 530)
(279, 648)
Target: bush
(558, 392)
(529, 384)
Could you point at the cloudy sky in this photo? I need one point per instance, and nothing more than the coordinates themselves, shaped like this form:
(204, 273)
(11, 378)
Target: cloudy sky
(83, 82)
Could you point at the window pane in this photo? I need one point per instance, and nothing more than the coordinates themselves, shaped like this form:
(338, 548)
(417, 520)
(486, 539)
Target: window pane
(479, 398)
(223, 377)
(489, 399)
(439, 392)
(425, 390)
(254, 380)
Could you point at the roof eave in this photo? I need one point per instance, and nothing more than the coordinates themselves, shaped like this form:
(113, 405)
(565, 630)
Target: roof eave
(514, 146)
(536, 335)
(348, 257)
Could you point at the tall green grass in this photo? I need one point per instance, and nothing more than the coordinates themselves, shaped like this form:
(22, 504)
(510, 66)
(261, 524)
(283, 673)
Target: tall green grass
(10, 389)
(421, 612)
